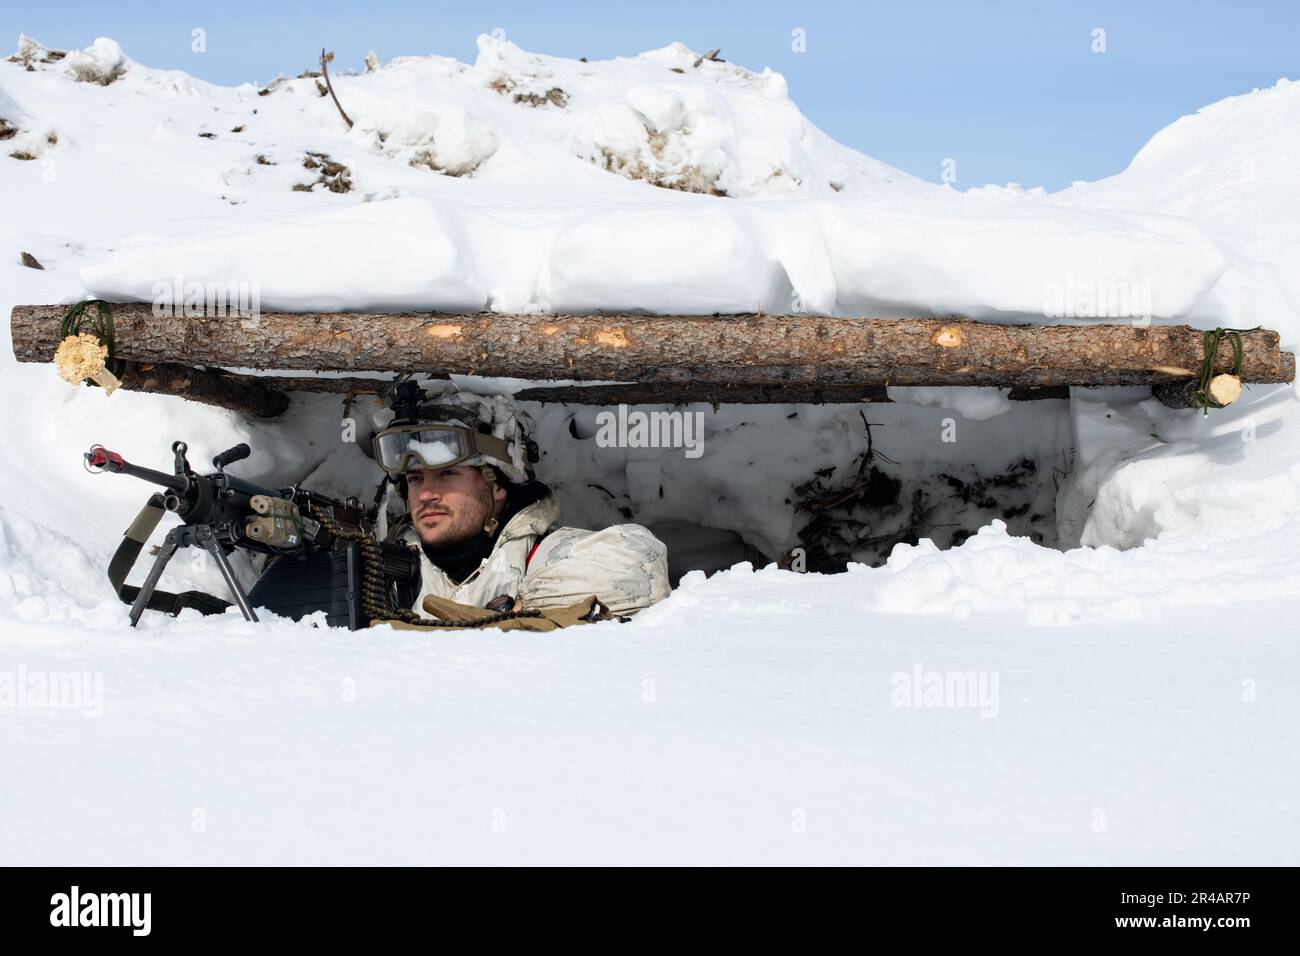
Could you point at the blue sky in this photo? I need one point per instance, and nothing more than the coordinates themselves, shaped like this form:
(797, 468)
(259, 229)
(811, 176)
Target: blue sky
(1012, 91)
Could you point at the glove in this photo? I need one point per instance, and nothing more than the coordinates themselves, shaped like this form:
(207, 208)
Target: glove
(454, 617)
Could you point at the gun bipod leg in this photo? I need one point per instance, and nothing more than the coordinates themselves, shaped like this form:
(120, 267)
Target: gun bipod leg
(165, 552)
(204, 535)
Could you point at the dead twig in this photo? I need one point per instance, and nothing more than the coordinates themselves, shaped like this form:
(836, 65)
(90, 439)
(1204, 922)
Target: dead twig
(325, 60)
(829, 501)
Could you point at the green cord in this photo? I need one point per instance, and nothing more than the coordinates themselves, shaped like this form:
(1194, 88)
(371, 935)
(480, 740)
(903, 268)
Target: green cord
(1210, 347)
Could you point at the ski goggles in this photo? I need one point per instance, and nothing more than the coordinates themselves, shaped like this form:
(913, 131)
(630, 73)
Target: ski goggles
(412, 447)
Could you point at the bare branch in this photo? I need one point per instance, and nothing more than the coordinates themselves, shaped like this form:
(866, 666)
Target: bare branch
(325, 60)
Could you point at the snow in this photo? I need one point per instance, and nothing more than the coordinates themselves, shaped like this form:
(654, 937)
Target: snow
(971, 402)
(1135, 618)
(1147, 474)
(102, 62)
(434, 452)
(404, 254)
(1230, 167)
(449, 161)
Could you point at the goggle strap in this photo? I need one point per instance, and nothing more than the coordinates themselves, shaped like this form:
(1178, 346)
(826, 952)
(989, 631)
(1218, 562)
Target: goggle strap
(490, 445)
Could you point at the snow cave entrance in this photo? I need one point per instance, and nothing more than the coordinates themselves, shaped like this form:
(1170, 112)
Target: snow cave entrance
(798, 483)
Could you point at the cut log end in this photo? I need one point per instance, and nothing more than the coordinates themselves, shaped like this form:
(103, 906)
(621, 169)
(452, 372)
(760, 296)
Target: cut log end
(1222, 391)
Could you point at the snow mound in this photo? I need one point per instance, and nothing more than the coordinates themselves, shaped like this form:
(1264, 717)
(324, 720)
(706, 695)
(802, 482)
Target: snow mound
(681, 139)
(102, 62)
(1231, 167)
(455, 142)
(30, 593)
(32, 52)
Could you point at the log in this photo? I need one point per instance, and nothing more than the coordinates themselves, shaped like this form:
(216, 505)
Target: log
(718, 350)
(684, 394)
(798, 394)
(269, 395)
(264, 396)
(333, 384)
(240, 393)
(1223, 391)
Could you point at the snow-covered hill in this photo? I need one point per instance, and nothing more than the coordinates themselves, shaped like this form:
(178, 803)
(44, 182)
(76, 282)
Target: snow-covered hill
(1230, 167)
(524, 182)
(709, 727)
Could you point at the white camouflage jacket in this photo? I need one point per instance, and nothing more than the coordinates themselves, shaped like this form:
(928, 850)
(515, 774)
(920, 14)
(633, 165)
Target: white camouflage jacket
(624, 566)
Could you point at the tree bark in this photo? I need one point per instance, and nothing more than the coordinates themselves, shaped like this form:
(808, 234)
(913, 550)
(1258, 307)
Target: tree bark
(240, 393)
(672, 350)
(682, 394)
(262, 395)
(689, 392)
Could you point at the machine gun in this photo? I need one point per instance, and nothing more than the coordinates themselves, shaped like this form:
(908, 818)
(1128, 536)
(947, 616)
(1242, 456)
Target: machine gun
(324, 554)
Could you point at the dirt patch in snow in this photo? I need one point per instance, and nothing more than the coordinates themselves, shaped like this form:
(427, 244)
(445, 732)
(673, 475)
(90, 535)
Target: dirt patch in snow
(552, 97)
(687, 179)
(335, 177)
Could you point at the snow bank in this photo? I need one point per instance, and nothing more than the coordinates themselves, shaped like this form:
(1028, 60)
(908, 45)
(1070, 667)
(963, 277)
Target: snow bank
(29, 592)
(404, 254)
(618, 259)
(883, 257)
(1142, 473)
(1231, 167)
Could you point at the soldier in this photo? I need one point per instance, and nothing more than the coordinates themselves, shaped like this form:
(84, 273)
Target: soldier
(489, 533)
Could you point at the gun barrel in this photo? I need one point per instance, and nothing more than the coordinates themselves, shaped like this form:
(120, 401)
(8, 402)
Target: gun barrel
(242, 513)
(101, 459)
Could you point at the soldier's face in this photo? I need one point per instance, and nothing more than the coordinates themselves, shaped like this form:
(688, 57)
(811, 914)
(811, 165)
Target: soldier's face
(450, 505)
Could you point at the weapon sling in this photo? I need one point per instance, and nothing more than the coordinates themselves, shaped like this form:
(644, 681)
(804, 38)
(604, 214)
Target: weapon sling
(128, 551)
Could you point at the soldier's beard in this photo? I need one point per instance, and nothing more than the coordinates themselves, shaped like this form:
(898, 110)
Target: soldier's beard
(454, 524)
